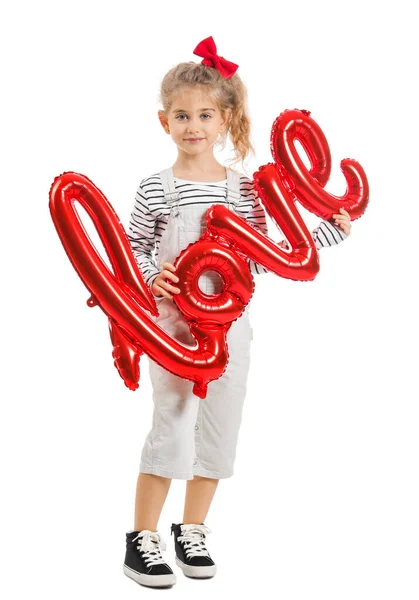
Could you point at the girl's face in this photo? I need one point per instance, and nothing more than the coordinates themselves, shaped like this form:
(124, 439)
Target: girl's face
(194, 121)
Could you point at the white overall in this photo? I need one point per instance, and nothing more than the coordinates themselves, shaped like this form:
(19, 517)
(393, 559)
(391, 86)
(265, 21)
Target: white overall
(191, 436)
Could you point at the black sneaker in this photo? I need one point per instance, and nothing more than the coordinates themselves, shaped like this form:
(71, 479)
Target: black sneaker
(144, 562)
(191, 554)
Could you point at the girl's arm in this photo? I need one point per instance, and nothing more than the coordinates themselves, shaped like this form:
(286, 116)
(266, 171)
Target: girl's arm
(327, 234)
(141, 235)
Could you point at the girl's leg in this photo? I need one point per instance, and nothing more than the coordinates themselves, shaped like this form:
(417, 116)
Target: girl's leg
(199, 494)
(150, 497)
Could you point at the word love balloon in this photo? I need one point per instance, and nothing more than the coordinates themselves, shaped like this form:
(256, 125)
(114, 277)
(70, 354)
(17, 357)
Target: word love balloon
(125, 297)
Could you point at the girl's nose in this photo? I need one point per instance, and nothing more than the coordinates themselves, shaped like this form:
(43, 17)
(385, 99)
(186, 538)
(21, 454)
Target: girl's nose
(193, 126)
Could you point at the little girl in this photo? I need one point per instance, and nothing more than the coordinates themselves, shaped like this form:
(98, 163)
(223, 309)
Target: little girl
(190, 438)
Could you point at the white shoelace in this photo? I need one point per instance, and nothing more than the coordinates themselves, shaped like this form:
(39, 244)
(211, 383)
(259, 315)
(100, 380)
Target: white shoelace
(193, 537)
(150, 543)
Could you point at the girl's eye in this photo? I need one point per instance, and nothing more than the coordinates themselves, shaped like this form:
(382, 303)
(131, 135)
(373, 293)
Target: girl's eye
(203, 114)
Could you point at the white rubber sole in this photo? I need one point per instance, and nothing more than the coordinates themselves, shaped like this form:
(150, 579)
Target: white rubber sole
(198, 572)
(150, 580)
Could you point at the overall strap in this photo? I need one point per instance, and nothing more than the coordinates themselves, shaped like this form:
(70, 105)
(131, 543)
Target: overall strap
(233, 188)
(171, 195)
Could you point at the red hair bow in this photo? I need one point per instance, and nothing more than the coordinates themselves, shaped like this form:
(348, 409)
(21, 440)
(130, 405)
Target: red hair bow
(208, 50)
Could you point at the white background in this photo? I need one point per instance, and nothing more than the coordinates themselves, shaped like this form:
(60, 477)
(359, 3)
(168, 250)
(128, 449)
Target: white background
(323, 503)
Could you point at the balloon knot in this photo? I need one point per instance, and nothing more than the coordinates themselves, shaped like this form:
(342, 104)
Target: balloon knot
(92, 301)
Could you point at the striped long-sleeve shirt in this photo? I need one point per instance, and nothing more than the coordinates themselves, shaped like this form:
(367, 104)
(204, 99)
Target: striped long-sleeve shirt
(150, 215)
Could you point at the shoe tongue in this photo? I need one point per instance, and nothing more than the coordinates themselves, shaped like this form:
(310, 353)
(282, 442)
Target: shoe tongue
(135, 533)
(194, 529)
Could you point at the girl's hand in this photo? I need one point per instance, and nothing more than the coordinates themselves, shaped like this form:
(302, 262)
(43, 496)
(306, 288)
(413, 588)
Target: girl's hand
(160, 287)
(343, 221)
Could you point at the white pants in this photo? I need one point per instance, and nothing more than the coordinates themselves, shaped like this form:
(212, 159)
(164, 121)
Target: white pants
(191, 436)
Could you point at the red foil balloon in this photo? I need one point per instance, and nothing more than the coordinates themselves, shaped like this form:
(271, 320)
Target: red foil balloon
(307, 185)
(229, 239)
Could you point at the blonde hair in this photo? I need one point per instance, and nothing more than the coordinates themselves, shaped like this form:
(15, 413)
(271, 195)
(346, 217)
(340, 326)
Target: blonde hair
(229, 95)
